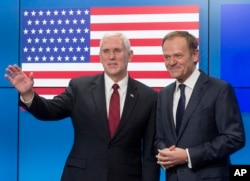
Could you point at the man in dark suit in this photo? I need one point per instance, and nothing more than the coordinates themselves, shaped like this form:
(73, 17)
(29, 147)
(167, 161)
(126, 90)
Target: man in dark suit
(197, 146)
(96, 155)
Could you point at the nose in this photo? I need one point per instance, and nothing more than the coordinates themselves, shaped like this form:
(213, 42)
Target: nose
(112, 55)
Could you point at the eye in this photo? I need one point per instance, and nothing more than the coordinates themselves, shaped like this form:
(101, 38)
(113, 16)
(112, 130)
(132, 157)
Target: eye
(178, 56)
(167, 57)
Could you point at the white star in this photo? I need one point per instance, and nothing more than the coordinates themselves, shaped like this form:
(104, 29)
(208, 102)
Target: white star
(48, 13)
(29, 40)
(51, 40)
(37, 40)
(71, 12)
(33, 31)
(44, 58)
(59, 40)
(36, 58)
(26, 13)
(66, 58)
(48, 49)
(55, 31)
(74, 58)
(74, 40)
(63, 49)
(25, 49)
(86, 12)
(74, 21)
(82, 58)
(86, 49)
(55, 49)
(29, 22)
(51, 58)
(48, 31)
(67, 40)
(78, 49)
(37, 22)
(29, 58)
(59, 58)
(71, 30)
(33, 49)
(40, 49)
(63, 31)
(33, 13)
(82, 21)
(59, 22)
(71, 49)
(78, 30)
(86, 30)
(52, 22)
(82, 40)
(25, 31)
(44, 40)
(67, 21)
(40, 31)
(55, 12)
(40, 13)
(79, 12)
(44, 22)
(63, 12)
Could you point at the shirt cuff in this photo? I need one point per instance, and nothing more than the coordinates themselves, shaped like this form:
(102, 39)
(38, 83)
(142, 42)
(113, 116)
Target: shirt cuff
(188, 159)
(27, 103)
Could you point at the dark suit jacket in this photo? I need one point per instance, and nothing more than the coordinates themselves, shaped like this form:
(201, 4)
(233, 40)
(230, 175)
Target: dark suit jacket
(129, 155)
(211, 129)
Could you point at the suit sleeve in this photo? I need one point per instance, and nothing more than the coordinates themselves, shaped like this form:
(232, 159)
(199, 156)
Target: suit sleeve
(230, 135)
(150, 169)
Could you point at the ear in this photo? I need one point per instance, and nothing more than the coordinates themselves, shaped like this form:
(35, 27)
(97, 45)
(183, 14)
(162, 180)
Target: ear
(130, 55)
(195, 56)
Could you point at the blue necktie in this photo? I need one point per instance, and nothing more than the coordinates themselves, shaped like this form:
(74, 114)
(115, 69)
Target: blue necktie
(180, 108)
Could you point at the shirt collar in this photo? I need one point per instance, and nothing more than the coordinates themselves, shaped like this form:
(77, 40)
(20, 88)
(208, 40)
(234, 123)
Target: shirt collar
(191, 80)
(109, 82)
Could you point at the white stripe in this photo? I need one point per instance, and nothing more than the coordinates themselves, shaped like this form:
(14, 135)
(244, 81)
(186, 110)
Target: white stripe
(142, 34)
(145, 18)
(138, 50)
(64, 82)
(142, 66)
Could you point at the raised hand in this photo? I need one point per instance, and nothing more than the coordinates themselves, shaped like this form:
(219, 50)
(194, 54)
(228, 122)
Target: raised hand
(22, 82)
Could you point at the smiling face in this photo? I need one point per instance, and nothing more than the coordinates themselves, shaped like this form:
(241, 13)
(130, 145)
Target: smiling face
(180, 61)
(114, 57)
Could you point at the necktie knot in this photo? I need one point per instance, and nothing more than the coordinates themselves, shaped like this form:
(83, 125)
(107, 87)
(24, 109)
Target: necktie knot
(182, 88)
(115, 86)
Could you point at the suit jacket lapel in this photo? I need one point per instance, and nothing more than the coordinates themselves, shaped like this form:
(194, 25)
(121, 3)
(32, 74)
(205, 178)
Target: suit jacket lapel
(130, 101)
(98, 96)
(195, 98)
(169, 107)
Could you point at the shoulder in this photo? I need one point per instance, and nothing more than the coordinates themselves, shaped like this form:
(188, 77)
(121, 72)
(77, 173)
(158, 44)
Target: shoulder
(142, 87)
(85, 79)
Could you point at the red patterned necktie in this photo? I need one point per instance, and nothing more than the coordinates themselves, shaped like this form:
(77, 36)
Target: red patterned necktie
(114, 110)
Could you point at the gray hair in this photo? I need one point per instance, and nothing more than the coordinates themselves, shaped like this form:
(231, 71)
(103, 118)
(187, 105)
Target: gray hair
(124, 38)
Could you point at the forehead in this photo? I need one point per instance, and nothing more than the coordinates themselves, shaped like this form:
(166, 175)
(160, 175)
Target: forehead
(175, 44)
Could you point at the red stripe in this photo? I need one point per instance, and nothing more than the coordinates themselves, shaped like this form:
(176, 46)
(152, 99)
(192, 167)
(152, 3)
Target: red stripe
(144, 26)
(49, 90)
(58, 90)
(71, 74)
(133, 42)
(144, 10)
(136, 58)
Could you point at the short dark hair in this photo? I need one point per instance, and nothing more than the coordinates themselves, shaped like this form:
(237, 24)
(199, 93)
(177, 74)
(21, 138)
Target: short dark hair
(191, 39)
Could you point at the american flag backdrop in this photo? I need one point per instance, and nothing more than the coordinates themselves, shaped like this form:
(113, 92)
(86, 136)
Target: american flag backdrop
(59, 44)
